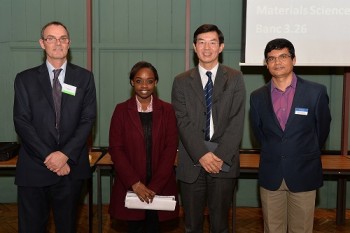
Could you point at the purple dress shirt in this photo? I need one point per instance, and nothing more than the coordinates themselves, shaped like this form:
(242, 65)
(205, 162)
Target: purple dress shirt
(282, 101)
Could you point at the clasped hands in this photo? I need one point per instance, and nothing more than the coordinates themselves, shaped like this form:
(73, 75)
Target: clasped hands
(211, 163)
(57, 162)
(143, 193)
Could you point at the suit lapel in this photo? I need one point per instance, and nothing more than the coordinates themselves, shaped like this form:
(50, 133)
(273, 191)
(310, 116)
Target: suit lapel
(134, 114)
(268, 101)
(156, 119)
(197, 86)
(219, 84)
(297, 100)
(44, 80)
(70, 75)
(70, 78)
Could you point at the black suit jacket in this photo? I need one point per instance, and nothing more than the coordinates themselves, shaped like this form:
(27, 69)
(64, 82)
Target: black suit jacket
(34, 119)
(292, 154)
(228, 116)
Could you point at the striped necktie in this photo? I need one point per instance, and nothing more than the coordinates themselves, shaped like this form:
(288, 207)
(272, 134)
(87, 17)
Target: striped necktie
(208, 100)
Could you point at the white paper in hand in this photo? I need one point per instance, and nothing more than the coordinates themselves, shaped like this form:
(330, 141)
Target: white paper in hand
(159, 202)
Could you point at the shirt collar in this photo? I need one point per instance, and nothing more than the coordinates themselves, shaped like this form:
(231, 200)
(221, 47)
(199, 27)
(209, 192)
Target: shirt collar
(51, 68)
(62, 75)
(204, 76)
(293, 84)
(149, 107)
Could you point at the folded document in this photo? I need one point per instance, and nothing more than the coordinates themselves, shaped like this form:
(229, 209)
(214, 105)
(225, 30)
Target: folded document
(159, 202)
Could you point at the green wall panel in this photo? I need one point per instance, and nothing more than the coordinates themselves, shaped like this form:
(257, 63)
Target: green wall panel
(5, 24)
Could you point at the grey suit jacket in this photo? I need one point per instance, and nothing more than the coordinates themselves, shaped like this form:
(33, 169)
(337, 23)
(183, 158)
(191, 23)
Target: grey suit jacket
(228, 116)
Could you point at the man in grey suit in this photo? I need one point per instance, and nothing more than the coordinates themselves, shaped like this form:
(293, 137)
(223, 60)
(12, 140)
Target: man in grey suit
(209, 103)
(54, 111)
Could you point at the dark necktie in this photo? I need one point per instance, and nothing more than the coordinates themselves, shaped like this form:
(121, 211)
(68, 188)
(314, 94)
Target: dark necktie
(57, 94)
(208, 100)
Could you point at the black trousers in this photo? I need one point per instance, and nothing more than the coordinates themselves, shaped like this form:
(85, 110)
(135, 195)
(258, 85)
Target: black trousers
(35, 204)
(216, 193)
(149, 225)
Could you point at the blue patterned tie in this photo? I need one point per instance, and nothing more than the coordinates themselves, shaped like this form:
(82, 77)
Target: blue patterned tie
(208, 100)
(57, 94)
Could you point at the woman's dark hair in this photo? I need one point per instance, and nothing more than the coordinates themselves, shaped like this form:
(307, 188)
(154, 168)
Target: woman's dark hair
(208, 28)
(142, 64)
(278, 44)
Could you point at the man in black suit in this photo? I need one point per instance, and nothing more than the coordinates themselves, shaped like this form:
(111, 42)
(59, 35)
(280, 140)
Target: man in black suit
(210, 134)
(53, 116)
(291, 119)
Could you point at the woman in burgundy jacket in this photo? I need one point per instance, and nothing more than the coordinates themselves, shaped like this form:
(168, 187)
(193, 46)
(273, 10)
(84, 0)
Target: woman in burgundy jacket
(143, 141)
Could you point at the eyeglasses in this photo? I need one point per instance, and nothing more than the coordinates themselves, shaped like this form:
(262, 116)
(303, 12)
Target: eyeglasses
(281, 58)
(53, 40)
(212, 43)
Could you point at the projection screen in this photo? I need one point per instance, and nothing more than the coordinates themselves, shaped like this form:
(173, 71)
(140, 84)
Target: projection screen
(319, 30)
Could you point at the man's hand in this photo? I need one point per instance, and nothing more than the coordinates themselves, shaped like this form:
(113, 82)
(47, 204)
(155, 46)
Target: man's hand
(65, 170)
(211, 163)
(55, 161)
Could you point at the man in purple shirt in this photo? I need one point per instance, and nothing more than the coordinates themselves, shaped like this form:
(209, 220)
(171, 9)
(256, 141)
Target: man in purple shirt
(291, 119)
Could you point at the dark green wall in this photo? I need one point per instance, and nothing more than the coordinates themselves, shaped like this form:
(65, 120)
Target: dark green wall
(124, 32)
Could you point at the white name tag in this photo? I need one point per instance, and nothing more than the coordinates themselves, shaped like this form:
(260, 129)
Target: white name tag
(69, 89)
(301, 111)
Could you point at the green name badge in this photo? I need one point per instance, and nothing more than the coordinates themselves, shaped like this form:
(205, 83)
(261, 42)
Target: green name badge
(69, 89)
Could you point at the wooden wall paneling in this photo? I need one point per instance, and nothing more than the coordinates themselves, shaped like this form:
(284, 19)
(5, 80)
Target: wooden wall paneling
(8, 190)
(178, 19)
(106, 16)
(18, 21)
(5, 23)
(335, 98)
(121, 20)
(164, 66)
(31, 17)
(136, 32)
(177, 63)
(107, 94)
(188, 35)
(6, 79)
(89, 28)
(248, 193)
(164, 22)
(148, 29)
(76, 21)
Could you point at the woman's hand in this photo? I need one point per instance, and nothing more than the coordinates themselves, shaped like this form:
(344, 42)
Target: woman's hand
(144, 194)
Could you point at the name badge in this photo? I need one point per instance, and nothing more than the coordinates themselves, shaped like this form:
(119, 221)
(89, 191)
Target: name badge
(69, 89)
(301, 111)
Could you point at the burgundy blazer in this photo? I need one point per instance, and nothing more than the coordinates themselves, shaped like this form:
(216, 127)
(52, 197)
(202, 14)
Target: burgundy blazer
(128, 152)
